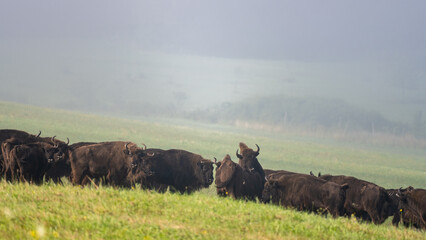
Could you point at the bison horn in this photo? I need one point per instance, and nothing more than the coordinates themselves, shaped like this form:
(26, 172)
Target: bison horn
(311, 173)
(144, 146)
(238, 155)
(398, 194)
(150, 154)
(215, 160)
(258, 149)
(39, 133)
(127, 149)
(68, 141)
(54, 141)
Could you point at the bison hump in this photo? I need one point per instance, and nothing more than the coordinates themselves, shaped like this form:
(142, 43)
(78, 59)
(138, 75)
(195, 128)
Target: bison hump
(224, 174)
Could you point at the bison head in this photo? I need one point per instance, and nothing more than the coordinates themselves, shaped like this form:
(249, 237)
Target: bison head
(270, 191)
(387, 206)
(139, 161)
(408, 211)
(248, 157)
(57, 152)
(205, 168)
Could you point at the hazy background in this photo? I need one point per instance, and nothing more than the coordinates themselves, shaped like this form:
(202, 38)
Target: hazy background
(333, 65)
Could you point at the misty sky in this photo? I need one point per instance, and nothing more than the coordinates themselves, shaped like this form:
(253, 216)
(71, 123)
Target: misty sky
(290, 30)
(118, 46)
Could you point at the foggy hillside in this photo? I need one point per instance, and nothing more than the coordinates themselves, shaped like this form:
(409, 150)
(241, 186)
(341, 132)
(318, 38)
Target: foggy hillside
(348, 65)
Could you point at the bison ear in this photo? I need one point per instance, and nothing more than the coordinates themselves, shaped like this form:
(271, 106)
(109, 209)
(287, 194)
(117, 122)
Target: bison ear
(224, 173)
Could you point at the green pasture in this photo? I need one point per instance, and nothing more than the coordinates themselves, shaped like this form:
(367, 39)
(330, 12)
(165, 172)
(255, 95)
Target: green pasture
(390, 167)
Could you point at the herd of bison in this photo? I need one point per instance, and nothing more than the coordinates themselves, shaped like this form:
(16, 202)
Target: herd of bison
(34, 159)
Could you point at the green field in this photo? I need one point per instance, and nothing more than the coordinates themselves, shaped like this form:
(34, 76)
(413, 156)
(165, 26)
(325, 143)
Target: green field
(58, 212)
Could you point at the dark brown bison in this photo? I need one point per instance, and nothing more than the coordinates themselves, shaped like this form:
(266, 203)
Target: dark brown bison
(178, 170)
(10, 164)
(29, 161)
(411, 208)
(19, 136)
(305, 192)
(232, 180)
(364, 199)
(248, 159)
(110, 161)
(10, 138)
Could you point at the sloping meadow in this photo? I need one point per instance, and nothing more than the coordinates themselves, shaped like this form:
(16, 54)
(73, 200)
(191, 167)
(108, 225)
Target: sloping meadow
(67, 212)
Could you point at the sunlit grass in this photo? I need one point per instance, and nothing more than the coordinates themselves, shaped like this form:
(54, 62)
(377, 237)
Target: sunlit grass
(67, 212)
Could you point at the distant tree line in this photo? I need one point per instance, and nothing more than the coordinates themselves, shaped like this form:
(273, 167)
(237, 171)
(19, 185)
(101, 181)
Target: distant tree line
(312, 112)
(279, 111)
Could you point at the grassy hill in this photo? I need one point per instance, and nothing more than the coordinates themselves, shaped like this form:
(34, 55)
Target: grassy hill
(57, 212)
(67, 212)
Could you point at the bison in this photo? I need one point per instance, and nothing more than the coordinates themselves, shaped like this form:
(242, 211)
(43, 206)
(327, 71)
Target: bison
(19, 136)
(10, 162)
(412, 208)
(111, 161)
(10, 138)
(30, 160)
(233, 180)
(364, 200)
(176, 169)
(305, 192)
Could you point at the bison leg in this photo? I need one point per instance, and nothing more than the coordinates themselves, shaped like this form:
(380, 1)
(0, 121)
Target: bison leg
(8, 172)
(77, 177)
(396, 219)
(22, 176)
(372, 216)
(85, 179)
